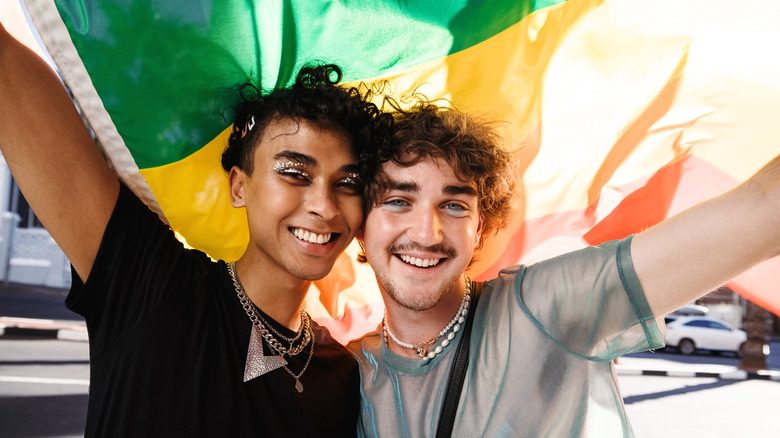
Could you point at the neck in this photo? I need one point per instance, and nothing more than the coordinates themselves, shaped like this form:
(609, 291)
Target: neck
(420, 326)
(278, 296)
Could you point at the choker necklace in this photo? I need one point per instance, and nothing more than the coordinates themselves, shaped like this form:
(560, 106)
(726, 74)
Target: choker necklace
(257, 363)
(422, 349)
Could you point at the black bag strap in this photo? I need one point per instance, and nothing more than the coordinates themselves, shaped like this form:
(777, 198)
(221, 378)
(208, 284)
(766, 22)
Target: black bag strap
(458, 370)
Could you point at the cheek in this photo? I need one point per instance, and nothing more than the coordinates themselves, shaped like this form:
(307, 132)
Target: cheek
(463, 234)
(272, 199)
(380, 224)
(352, 209)
(372, 228)
(475, 235)
(380, 231)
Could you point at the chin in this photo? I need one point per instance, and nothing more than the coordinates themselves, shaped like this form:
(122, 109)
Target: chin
(312, 274)
(413, 296)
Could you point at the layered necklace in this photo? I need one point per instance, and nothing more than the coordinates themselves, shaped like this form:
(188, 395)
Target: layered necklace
(427, 349)
(257, 363)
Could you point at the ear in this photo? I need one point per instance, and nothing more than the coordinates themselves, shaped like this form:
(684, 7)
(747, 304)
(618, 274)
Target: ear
(236, 180)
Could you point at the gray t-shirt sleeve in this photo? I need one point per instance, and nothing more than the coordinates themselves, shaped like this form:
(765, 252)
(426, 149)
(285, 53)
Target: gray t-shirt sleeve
(590, 302)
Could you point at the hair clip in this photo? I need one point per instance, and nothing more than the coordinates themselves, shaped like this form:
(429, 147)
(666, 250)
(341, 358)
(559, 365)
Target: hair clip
(248, 127)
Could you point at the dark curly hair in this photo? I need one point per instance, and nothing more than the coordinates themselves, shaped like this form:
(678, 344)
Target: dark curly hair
(315, 97)
(470, 145)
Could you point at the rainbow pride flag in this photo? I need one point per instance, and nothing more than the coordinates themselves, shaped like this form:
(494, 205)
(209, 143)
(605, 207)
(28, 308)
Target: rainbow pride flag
(624, 111)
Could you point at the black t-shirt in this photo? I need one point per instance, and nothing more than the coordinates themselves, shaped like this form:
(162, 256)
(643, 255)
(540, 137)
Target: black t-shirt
(168, 343)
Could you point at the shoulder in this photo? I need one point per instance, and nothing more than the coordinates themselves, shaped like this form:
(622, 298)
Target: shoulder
(582, 263)
(327, 345)
(366, 345)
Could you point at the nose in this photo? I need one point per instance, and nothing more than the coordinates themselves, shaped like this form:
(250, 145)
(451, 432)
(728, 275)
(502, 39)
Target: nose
(425, 227)
(321, 201)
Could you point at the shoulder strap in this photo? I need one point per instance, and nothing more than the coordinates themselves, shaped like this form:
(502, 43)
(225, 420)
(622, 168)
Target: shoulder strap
(458, 370)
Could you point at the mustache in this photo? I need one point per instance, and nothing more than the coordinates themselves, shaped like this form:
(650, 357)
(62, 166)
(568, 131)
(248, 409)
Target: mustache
(440, 249)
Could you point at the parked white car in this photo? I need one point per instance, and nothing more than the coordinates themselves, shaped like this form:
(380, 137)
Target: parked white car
(686, 310)
(691, 333)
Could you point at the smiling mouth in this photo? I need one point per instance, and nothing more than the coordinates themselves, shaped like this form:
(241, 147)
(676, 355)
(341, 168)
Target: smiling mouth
(309, 237)
(418, 262)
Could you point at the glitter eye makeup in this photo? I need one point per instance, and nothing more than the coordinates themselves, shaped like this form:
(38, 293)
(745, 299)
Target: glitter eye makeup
(293, 169)
(352, 178)
(284, 165)
(350, 182)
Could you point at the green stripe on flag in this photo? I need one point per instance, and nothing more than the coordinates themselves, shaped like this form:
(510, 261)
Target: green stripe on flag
(163, 69)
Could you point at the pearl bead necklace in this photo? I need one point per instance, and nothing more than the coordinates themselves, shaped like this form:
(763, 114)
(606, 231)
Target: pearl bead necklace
(454, 324)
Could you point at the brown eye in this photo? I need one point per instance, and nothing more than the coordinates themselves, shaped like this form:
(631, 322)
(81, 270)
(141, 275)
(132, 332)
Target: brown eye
(351, 184)
(295, 173)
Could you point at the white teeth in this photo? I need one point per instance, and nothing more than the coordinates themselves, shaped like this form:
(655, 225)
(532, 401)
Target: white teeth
(307, 236)
(421, 263)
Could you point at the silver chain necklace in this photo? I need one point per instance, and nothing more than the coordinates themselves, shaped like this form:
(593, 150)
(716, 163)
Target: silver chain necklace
(297, 377)
(258, 321)
(302, 330)
(454, 324)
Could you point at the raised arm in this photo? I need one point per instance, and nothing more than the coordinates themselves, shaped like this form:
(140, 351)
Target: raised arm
(703, 247)
(51, 155)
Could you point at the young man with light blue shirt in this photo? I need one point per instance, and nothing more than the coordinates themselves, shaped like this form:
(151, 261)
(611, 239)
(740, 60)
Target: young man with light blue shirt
(544, 336)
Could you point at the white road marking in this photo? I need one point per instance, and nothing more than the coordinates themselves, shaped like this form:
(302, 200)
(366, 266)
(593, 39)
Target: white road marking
(46, 380)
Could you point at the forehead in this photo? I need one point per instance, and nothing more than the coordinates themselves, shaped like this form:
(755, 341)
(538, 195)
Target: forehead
(302, 136)
(428, 174)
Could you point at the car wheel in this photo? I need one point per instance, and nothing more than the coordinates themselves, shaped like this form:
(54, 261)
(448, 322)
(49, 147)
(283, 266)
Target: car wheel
(686, 347)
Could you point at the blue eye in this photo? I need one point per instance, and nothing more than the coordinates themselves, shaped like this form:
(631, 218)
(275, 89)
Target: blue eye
(395, 204)
(456, 208)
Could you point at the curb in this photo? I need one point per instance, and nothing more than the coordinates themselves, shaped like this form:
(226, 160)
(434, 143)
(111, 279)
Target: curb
(727, 375)
(43, 329)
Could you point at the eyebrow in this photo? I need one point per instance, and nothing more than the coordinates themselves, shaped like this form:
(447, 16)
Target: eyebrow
(350, 168)
(406, 186)
(413, 187)
(460, 190)
(297, 157)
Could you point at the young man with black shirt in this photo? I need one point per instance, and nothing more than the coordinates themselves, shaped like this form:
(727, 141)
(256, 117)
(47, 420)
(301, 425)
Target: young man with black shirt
(181, 345)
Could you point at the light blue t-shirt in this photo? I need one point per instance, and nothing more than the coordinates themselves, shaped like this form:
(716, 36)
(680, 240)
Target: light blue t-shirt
(542, 346)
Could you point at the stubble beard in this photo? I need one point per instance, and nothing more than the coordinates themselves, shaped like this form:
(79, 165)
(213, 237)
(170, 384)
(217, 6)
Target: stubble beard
(415, 300)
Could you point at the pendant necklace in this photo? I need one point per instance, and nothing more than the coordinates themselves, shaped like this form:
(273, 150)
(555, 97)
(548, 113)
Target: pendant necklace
(257, 363)
(426, 350)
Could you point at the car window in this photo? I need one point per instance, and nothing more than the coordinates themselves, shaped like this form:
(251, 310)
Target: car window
(697, 323)
(717, 325)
